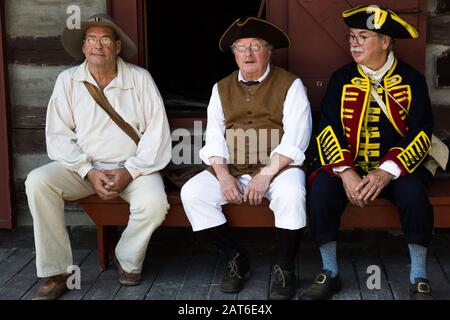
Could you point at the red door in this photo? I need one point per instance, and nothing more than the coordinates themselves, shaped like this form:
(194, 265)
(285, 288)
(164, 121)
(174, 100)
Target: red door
(5, 178)
(130, 16)
(318, 33)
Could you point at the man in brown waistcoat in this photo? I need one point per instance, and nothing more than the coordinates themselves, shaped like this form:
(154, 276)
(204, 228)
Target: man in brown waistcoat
(259, 126)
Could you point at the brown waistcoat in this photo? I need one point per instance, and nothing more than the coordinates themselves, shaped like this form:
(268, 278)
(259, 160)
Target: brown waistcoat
(253, 118)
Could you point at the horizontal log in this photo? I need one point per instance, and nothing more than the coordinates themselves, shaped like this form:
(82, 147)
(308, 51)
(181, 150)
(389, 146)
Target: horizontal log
(38, 51)
(29, 122)
(439, 29)
(25, 117)
(28, 141)
(24, 163)
(42, 18)
(32, 85)
(28, 117)
(441, 115)
(443, 6)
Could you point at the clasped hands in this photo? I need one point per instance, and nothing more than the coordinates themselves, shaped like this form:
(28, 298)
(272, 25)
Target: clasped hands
(362, 190)
(253, 193)
(108, 184)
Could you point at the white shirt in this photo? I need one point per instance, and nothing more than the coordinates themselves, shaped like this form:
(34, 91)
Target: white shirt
(81, 136)
(297, 125)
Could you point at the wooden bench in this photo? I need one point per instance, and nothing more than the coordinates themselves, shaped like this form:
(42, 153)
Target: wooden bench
(108, 215)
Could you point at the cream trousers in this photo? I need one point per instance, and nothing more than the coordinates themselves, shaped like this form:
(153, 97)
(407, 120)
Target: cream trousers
(202, 200)
(49, 186)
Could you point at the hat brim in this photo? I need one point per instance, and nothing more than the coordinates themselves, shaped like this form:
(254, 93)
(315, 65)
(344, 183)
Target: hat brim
(252, 27)
(72, 39)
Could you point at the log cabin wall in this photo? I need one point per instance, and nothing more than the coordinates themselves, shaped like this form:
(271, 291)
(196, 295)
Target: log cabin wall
(438, 64)
(36, 57)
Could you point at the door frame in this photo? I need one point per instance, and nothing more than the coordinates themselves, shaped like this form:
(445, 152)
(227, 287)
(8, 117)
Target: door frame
(6, 218)
(124, 14)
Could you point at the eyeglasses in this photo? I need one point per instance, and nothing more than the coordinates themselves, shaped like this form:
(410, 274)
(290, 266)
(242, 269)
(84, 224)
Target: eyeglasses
(105, 41)
(253, 47)
(361, 40)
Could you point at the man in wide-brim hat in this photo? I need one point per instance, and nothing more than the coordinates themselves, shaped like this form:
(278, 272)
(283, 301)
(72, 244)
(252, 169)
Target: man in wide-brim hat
(93, 155)
(72, 39)
(374, 135)
(265, 109)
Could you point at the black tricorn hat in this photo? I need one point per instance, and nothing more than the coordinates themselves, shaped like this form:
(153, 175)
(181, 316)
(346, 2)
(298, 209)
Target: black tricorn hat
(252, 27)
(379, 20)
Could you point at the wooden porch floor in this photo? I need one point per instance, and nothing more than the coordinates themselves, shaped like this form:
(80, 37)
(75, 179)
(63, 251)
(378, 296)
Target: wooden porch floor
(177, 267)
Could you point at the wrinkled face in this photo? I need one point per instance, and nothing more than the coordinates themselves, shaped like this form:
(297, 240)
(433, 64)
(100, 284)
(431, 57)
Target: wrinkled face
(252, 56)
(367, 47)
(100, 46)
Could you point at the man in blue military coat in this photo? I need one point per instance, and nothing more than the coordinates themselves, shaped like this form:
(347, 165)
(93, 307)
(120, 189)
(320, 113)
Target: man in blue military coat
(375, 132)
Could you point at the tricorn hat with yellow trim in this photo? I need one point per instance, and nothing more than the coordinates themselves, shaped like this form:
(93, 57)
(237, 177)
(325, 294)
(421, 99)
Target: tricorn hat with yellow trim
(252, 27)
(379, 20)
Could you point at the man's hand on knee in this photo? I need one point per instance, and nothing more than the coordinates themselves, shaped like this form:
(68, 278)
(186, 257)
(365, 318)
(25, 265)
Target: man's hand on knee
(101, 183)
(256, 189)
(351, 180)
(231, 188)
(371, 185)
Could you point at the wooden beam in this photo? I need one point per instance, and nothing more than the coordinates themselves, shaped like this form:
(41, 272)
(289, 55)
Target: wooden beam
(439, 29)
(5, 175)
(39, 51)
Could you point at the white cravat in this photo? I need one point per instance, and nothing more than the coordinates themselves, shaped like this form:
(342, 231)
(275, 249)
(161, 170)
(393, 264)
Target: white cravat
(379, 74)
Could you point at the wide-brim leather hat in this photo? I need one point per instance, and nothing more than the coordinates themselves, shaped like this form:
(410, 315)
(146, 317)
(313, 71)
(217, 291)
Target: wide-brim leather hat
(252, 27)
(72, 39)
(379, 20)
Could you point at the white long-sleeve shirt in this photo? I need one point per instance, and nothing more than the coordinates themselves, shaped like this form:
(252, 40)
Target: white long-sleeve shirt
(297, 125)
(81, 136)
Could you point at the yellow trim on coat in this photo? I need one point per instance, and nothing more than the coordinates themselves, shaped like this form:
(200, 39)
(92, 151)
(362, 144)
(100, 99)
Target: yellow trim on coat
(328, 158)
(409, 157)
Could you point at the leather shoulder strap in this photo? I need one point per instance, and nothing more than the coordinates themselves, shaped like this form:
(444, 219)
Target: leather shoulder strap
(101, 100)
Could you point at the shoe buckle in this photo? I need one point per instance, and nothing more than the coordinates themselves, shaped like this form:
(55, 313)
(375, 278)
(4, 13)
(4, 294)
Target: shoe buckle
(423, 287)
(321, 278)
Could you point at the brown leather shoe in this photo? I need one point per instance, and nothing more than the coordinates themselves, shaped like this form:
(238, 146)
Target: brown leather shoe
(323, 288)
(421, 290)
(127, 278)
(53, 288)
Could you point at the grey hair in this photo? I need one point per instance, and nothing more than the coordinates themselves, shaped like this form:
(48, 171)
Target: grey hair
(391, 41)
